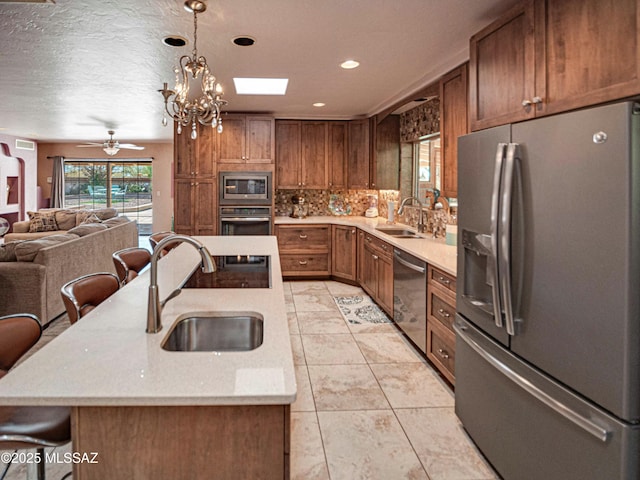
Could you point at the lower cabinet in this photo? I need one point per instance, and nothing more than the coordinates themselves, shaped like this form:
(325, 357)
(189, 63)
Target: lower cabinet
(195, 207)
(305, 250)
(441, 310)
(377, 271)
(344, 247)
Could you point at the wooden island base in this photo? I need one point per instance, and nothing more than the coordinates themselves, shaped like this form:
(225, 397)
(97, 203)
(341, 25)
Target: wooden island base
(182, 442)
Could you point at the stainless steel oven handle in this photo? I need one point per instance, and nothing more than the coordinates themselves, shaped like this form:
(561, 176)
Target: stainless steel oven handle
(493, 267)
(581, 421)
(244, 219)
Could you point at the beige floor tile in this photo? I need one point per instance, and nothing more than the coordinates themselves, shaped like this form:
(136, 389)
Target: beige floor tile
(368, 446)
(304, 398)
(385, 348)
(408, 385)
(322, 322)
(294, 328)
(286, 286)
(309, 287)
(338, 288)
(331, 349)
(443, 447)
(315, 303)
(372, 328)
(346, 387)
(297, 350)
(307, 452)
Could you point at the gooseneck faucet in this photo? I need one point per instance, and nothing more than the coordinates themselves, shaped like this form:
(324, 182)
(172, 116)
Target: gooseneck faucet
(421, 225)
(155, 306)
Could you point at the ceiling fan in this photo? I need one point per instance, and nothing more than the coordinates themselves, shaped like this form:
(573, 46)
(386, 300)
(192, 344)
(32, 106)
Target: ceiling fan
(111, 146)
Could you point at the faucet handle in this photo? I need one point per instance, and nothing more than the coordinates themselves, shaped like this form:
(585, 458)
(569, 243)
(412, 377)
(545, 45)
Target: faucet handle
(171, 296)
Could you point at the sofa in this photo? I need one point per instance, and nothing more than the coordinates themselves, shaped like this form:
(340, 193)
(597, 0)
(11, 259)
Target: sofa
(53, 221)
(33, 284)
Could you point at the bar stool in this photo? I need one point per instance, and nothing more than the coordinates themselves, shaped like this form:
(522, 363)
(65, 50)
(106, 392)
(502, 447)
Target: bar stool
(155, 238)
(85, 293)
(129, 262)
(28, 427)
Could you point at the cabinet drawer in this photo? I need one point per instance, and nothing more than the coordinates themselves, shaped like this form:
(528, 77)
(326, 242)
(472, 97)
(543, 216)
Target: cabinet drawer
(444, 279)
(303, 238)
(441, 308)
(441, 349)
(379, 247)
(304, 264)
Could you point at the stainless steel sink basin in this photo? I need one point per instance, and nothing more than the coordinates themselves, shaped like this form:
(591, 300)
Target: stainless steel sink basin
(399, 232)
(215, 332)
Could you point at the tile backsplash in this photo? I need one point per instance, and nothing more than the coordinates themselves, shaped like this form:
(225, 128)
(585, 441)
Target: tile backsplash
(318, 203)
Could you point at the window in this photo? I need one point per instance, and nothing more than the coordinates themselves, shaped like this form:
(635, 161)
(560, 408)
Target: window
(124, 185)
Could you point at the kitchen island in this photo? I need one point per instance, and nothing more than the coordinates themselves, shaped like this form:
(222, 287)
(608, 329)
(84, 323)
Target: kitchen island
(151, 413)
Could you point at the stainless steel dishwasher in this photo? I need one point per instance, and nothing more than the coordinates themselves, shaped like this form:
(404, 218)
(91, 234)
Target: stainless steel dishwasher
(410, 296)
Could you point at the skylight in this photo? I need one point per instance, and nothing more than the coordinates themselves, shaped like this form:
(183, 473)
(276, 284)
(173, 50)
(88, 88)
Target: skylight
(261, 86)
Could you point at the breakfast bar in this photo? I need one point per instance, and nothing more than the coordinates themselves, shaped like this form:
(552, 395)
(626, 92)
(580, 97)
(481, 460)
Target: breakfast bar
(154, 413)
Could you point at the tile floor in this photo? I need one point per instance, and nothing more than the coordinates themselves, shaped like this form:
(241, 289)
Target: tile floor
(369, 407)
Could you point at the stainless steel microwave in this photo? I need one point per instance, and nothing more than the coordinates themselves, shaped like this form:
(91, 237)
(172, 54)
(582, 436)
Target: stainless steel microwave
(245, 188)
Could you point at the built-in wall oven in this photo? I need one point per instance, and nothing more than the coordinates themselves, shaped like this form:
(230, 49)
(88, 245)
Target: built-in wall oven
(245, 220)
(245, 188)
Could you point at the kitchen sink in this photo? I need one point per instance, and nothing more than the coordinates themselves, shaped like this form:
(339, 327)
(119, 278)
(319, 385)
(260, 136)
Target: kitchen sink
(399, 232)
(215, 332)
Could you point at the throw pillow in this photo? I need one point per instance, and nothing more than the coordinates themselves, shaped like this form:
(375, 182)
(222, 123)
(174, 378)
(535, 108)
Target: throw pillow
(66, 219)
(112, 222)
(81, 215)
(27, 250)
(87, 229)
(8, 251)
(105, 213)
(91, 219)
(42, 222)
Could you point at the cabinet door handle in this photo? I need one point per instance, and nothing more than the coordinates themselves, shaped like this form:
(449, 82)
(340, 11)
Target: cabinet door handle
(536, 100)
(361, 234)
(526, 103)
(375, 257)
(302, 262)
(353, 231)
(302, 237)
(446, 281)
(443, 353)
(444, 313)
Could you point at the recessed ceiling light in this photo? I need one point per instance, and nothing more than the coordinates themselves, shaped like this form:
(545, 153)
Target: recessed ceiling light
(244, 41)
(174, 41)
(261, 86)
(349, 64)
(319, 104)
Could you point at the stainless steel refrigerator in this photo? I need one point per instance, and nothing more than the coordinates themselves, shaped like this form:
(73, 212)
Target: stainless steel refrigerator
(548, 323)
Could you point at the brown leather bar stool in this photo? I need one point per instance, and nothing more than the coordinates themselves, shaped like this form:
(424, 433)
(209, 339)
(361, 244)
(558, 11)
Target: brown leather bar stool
(156, 237)
(85, 293)
(28, 427)
(129, 262)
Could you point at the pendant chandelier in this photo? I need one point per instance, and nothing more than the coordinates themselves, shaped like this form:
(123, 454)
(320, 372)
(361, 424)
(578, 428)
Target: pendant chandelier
(204, 109)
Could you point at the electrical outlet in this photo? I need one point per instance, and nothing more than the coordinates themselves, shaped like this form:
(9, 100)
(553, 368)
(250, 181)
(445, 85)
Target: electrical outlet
(49, 179)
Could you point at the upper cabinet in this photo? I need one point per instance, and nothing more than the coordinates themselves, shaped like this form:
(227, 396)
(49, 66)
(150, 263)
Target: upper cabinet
(385, 154)
(247, 139)
(337, 145)
(358, 172)
(544, 57)
(453, 123)
(195, 158)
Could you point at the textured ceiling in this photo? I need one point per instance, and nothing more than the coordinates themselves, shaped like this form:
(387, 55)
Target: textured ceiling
(70, 71)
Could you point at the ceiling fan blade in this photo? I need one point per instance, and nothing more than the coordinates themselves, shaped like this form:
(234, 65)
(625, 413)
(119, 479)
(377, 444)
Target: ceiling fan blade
(86, 145)
(130, 146)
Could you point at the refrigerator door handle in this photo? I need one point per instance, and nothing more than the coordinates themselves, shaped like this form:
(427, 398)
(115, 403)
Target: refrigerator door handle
(493, 266)
(581, 421)
(504, 252)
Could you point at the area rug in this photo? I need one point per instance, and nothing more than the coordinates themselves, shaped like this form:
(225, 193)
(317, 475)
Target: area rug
(360, 309)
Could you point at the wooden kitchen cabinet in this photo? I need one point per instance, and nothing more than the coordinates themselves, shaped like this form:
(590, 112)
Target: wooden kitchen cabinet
(313, 158)
(385, 153)
(441, 310)
(376, 277)
(195, 158)
(288, 145)
(344, 247)
(195, 206)
(453, 123)
(247, 139)
(544, 57)
(337, 147)
(358, 166)
(305, 250)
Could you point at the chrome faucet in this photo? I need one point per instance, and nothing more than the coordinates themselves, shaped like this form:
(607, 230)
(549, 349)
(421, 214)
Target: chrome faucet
(155, 306)
(421, 225)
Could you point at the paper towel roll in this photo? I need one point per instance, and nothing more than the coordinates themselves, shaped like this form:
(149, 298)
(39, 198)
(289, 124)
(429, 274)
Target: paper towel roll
(391, 211)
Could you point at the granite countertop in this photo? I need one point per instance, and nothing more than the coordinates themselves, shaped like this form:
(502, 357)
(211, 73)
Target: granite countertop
(432, 250)
(107, 359)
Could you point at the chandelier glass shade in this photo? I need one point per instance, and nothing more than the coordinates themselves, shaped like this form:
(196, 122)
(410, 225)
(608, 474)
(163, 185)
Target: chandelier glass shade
(181, 104)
